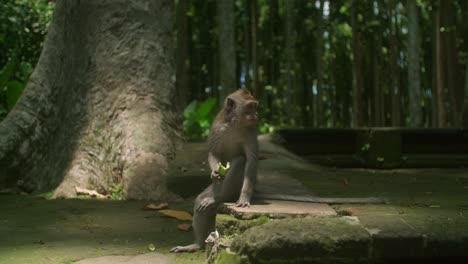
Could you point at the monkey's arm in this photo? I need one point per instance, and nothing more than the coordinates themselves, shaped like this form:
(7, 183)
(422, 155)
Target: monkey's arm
(250, 171)
(212, 161)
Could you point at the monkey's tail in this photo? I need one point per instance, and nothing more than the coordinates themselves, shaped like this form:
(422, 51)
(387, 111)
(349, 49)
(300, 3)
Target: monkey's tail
(327, 200)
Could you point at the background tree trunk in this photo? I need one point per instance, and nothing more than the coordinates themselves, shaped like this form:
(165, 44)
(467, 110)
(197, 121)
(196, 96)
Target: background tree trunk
(357, 71)
(439, 74)
(98, 111)
(253, 47)
(452, 68)
(414, 77)
(318, 65)
(465, 100)
(227, 51)
(395, 92)
(290, 65)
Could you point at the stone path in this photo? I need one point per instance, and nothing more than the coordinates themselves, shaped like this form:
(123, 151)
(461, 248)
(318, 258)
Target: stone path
(149, 258)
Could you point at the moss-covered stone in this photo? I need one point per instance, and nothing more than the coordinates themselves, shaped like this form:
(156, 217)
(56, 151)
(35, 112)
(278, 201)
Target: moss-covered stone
(228, 258)
(302, 240)
(228, 225)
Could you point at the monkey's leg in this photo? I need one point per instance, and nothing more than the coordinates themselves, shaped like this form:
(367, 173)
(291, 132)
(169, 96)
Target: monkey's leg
(203, 223)
(233, 180)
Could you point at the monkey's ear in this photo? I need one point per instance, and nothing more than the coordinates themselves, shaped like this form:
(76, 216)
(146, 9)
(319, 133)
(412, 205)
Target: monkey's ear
(229, 105)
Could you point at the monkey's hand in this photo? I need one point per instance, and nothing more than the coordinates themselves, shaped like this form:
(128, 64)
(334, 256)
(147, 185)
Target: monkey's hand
(215, 176)
(243, 202)
(205, 203)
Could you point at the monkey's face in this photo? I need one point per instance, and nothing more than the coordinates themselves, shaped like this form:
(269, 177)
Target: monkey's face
(248, 114)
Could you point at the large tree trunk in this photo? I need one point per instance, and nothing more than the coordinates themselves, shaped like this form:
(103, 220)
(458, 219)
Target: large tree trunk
(98, 111)
(227, 50)
(414, 76)
(182, 59)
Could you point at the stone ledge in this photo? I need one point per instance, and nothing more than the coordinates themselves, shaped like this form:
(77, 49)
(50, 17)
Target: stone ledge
(342, 240)
(279, 209)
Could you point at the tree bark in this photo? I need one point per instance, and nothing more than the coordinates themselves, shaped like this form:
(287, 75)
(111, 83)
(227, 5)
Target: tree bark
(465, 100)
(452, 68)
(357, 71)
(227, 50)
(98, 110)
(318, 65)
(290, 52)
(439, 76)
(395, 70)
(414, 76)
(253, 47)
(182, 58)
(378, 105)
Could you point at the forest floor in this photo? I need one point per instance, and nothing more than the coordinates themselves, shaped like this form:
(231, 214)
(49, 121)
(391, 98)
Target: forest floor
(33, 229)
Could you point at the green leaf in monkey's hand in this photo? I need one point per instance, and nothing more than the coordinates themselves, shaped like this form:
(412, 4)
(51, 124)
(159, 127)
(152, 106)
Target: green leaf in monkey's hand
(222, 170)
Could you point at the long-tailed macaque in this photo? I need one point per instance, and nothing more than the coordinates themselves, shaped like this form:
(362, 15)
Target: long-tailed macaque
(233, 139)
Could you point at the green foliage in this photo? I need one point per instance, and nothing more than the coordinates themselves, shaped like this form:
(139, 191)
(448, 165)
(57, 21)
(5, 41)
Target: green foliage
(365, 147)
(265, 128)
(23, 26)
(117, 192)
(198, 118)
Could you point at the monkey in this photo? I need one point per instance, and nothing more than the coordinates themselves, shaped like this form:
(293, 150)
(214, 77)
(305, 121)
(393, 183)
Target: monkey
(233, 139)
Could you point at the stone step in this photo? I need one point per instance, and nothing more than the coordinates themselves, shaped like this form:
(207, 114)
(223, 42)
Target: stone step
(279, 209)
(341, 240)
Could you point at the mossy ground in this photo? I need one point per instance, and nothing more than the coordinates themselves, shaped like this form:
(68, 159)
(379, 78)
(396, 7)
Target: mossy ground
(37, 230)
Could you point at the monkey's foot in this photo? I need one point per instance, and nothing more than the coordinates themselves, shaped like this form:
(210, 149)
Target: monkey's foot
(189, 248)
(205, 203)
(243, 203)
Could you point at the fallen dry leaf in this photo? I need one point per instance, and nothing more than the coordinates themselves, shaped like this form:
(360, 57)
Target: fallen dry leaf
(181, 215)
(91, 193)
(155, 206)
(184, 227)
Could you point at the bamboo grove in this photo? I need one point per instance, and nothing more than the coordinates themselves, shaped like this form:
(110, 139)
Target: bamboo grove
(340, 63)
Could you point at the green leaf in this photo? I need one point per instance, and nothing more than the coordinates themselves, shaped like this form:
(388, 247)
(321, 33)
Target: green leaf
(25, 70)
(8, 71)
(205, 109)
(14, 91)
(190, 109)
(343, 10)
